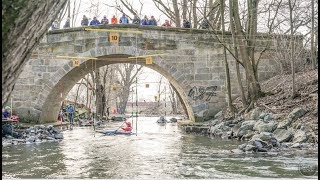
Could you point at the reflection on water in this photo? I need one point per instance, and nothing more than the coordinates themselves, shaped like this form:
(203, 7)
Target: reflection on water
(156, 151)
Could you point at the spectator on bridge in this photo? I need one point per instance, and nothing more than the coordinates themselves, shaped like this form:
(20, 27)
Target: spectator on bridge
(6, 112)
(204, 24)
(145, 21)
(152, 21)
(70, 111)
(84, 21)
(186, 24)
(55, 25)
(114, 20)
(166, 24)
(124, 19)
(104, 21)
(136, 20)
(94, 22)
(67, 24)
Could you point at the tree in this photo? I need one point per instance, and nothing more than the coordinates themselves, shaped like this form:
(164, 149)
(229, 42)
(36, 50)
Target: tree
(128, 76)
(23, 25)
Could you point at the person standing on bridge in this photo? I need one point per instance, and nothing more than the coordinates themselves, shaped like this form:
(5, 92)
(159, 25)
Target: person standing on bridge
(124, 19)
(84, 21)
(145, 21)
(94, 22)
(136, 20)
(55, 25)
(70, 111)
(104, 21)
(67, 24)
(186, 24)
(152, 21)
(114, 20)
(166, 24)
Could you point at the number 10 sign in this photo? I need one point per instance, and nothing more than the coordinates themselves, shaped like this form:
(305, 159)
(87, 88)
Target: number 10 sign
(114, 37)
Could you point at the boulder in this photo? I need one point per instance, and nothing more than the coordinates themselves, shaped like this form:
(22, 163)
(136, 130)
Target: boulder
(300, 137)
(58, 136)
(247, 125)
(268, 117)
(173, 120)
(255, 113)
(249, 147)
(284, 124)
(296, 113)
(264, 136)
(267, 127)
(248, 134)
(283, 135)
(296, 145)
(242, 146)
(262, 115)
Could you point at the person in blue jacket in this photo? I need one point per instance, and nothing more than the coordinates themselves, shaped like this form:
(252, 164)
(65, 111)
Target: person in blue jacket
(124, 19)
(70, 111)
(152, 21)
(145, 21)
(94, 22)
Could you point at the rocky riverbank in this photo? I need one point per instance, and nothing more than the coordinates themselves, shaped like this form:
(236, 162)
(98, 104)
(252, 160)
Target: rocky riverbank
(34, 134)
(260, 131)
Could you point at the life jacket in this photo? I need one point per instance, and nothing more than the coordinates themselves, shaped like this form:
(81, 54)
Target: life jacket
(114, 20)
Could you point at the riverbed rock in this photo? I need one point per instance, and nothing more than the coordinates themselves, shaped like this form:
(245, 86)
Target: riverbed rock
(255, 113)
(248, 134)
(264, 136)
(268, 117)
(284, 123)
(173, 120)
(245, 128)
(299, 137)
(58, 136)
(296, 145)
(296, 113)
(262, 115)
(266, 127)
(249, 147)
(283, 135)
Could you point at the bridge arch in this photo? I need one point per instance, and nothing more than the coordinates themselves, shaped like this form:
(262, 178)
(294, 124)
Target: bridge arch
(65, 82)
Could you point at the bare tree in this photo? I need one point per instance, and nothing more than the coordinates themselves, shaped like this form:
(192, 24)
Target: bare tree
(128, 76)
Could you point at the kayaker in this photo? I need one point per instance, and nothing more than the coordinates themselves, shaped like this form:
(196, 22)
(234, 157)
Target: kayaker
(128, 127)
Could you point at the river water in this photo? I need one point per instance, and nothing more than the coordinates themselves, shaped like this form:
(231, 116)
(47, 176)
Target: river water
(156, 151)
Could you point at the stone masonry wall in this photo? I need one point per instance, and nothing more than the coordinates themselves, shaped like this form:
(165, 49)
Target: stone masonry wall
(193, 64)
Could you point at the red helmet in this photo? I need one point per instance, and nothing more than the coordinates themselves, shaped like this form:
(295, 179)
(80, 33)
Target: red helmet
(128, 123)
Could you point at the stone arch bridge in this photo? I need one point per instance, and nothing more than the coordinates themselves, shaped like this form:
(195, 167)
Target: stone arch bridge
(193, 65)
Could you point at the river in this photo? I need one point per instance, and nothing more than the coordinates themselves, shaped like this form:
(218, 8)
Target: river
(156, 151)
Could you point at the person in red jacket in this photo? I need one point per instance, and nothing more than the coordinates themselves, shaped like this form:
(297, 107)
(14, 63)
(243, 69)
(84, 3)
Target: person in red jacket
(128, 127)
(167, 23)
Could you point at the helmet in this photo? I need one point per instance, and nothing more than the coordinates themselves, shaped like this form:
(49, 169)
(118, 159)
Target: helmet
(7, 108)
(128, 123)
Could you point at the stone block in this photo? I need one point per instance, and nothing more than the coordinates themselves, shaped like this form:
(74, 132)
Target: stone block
(203, 76)
(39, 68)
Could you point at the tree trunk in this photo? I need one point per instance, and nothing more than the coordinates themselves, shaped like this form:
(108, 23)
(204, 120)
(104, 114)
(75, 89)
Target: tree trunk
(313, 60)
(23, 25)
(194, 13)
(176, 13)
(243, 97)
(184, 9)
(228, 84)
(292, 49)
